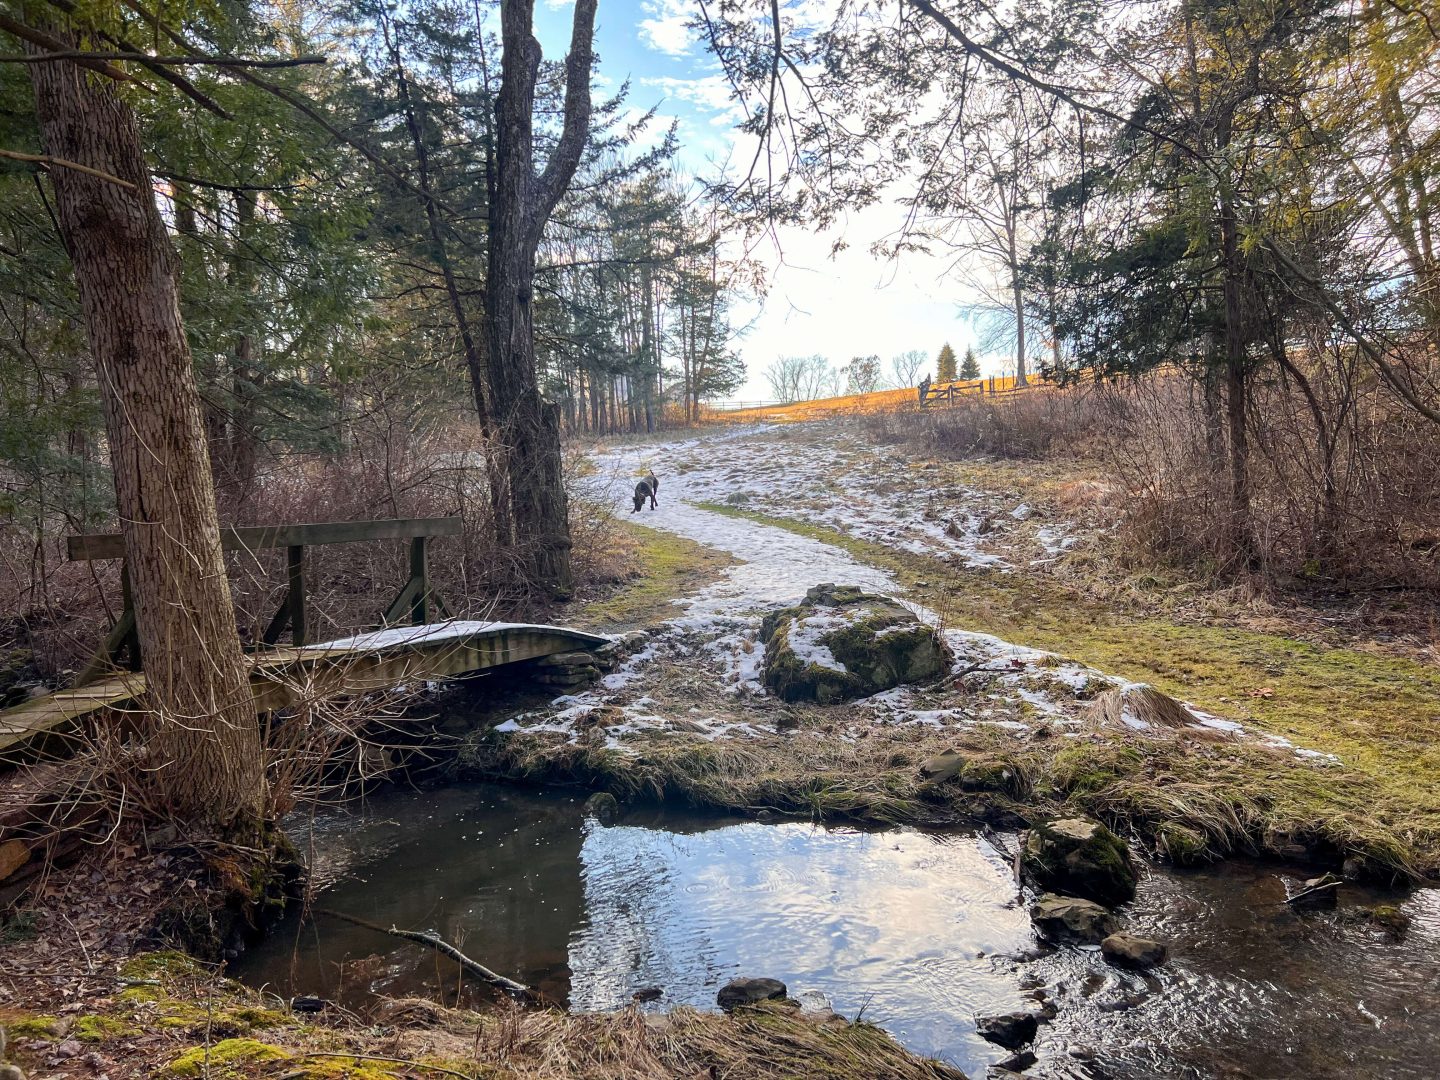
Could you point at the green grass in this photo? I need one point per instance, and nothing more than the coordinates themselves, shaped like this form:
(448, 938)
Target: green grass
(1379, 714)
(667, 567)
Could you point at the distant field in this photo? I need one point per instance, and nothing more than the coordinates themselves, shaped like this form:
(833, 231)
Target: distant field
(875, 401)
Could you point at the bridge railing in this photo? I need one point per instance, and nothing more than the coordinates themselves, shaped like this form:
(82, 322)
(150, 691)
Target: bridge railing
(413, 602)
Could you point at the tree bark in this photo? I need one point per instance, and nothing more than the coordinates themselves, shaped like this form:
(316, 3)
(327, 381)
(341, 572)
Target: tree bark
(522, 204)
(1017, 291)
(205, 737)
(1233, 286)
(246, 378)
(519, 210)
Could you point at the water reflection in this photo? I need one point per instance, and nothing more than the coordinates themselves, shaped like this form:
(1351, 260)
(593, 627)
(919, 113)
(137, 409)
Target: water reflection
(901, 924)
(919, 931)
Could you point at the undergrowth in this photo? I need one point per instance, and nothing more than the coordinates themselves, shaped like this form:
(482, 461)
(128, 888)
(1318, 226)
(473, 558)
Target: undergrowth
(227, 1032)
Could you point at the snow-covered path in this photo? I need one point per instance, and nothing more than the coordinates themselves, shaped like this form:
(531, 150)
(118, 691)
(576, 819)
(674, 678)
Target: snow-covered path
(778, 566)
(829, 478)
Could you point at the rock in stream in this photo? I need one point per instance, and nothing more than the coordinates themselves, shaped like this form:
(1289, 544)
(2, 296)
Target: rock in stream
(1081, 858)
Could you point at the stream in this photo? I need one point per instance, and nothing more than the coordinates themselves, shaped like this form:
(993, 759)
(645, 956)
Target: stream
(916, 931)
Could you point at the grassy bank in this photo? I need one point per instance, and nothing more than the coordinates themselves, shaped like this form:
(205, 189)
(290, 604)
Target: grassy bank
(663, 567)
(163, 1015)
(1380, 715)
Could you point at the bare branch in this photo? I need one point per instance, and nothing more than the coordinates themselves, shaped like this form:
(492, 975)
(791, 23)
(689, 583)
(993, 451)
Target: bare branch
(146, 59)
(61, 163)
(50, 43)
(562, 164)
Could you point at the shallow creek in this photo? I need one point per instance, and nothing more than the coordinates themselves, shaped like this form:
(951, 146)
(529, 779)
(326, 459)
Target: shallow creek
(917, 931)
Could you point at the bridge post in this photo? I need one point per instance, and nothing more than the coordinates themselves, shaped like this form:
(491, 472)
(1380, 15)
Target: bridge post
(295, 566)
(292, 607)
(420, 572)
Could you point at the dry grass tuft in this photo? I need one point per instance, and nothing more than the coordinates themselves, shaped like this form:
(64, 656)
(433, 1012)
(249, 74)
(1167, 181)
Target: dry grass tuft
(1123, 708)
(768, 1042)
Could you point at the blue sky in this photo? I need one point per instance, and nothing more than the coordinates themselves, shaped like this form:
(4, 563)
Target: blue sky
(853, 304)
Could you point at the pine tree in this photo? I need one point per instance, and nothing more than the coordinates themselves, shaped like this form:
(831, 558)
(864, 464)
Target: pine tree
(945, 365)
(970, 366)
(209, 766)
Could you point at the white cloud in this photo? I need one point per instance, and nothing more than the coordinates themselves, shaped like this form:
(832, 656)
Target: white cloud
(667, 31)
(710, 92)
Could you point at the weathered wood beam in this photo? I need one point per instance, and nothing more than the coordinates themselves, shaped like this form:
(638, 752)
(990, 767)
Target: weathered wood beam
(403, 603)
(254, 538)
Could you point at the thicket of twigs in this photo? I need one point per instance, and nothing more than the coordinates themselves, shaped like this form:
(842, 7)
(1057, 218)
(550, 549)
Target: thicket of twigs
(1344, 482)
(54, 613)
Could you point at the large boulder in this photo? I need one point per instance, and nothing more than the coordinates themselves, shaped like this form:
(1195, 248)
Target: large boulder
(1067, 919)
(1078, 857)
(841, 643)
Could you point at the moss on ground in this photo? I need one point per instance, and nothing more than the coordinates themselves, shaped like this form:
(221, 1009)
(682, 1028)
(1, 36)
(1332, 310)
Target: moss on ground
(1380, 715)
(769, 1042)
(227, 1058)
(32, 1027)
(669, 566)
(95, 1028)
(165, 964)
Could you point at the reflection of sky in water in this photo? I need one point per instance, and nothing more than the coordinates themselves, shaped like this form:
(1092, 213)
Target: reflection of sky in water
(894, 923)
(891, 922)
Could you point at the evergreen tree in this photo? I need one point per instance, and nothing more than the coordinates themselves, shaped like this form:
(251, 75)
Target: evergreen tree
(945, 365)
(970, 366)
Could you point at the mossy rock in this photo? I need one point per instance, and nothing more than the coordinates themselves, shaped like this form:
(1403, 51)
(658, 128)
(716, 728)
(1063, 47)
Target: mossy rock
(1078, 857)
(842, 643)
(33, 1027)
(1389, 918)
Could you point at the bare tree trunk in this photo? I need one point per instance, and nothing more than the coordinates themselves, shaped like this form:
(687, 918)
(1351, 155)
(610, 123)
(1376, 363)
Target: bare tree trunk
(1233, 282)
(1214, 425)
(474, 362)
(647, 343)
(243, 451)
(521, 205)
(1019, 334)
(187, 231)
(208, 764)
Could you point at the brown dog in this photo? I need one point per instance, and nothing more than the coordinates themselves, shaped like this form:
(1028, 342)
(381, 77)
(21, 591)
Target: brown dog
(646, 489)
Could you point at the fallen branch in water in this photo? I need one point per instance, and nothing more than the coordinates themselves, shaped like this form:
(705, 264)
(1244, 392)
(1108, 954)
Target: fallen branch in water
(432, 940)
(1304, 894)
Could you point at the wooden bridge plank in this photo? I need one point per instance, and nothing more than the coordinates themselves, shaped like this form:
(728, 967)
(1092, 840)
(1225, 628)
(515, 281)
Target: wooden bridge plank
(362, 663)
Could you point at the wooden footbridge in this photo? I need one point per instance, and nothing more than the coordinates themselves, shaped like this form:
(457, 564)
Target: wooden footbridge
(414, 651)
